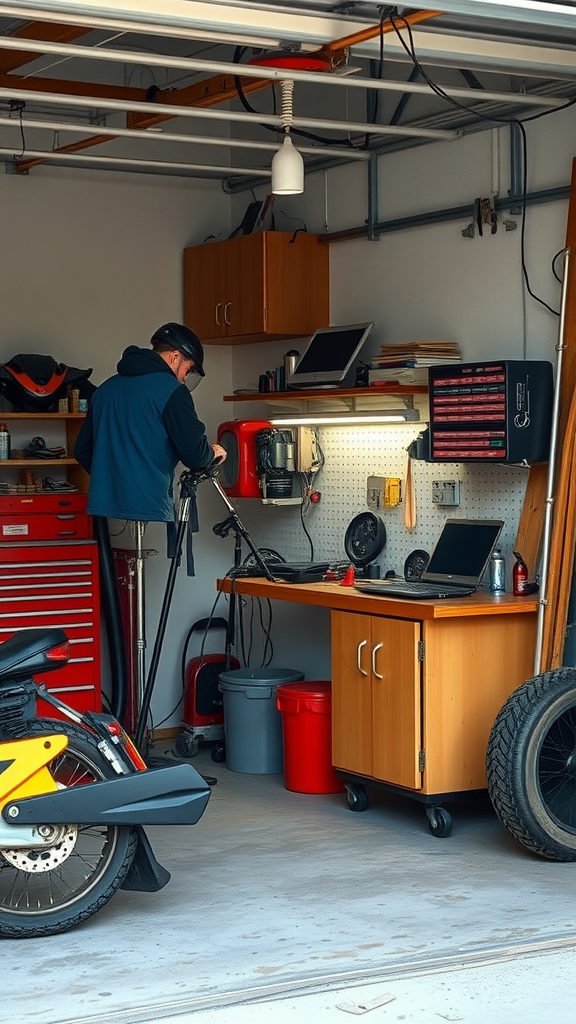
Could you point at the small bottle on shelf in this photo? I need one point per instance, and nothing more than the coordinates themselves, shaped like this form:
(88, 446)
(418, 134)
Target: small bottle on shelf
(5, 442)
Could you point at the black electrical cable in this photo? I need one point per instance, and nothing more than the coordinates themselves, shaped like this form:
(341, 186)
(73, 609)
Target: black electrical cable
(112, 619)
(410, 50)
(374, 98)
(559, 253)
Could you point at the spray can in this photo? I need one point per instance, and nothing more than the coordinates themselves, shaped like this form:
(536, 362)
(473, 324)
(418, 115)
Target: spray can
(5, 445)
(519, 576)
(497, 572)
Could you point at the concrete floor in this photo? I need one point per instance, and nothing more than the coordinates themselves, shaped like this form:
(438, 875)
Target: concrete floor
(284, 903)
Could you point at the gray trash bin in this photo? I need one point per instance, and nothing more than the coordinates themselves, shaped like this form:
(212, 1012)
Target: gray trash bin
(252, 722)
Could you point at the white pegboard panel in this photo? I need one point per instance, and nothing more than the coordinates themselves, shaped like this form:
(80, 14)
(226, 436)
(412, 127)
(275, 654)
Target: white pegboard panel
(352, 454)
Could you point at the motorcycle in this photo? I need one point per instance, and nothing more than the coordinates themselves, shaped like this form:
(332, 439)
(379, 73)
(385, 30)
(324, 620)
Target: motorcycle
(75, 794)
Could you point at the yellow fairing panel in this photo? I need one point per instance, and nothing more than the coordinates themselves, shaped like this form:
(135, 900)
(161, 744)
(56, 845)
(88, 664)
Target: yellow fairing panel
(23, 770)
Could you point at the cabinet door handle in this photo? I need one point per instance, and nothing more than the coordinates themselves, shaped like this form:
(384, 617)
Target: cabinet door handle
(359, 655)
(374, 651)
(226, 320)
(216, 308)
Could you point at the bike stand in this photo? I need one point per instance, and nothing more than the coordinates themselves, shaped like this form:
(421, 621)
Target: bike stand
(189, 481)
(188, 485)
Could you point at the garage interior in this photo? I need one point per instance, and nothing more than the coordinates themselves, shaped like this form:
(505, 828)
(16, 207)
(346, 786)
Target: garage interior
(127, 137)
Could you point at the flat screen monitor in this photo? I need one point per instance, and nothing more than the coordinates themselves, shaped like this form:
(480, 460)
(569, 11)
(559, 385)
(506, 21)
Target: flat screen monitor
(329, 355)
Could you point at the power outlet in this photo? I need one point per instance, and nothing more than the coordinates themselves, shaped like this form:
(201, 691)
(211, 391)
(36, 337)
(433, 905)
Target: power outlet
(445, 492)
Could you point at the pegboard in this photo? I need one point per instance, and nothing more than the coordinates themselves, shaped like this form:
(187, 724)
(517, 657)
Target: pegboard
(352, 454)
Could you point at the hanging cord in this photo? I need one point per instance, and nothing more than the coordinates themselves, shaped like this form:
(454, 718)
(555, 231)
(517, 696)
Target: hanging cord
(238, 53)
(186, 685)
(19, 106)
(374, 96)
(410, 50)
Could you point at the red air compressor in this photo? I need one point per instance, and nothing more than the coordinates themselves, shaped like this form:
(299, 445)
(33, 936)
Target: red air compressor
(202, 715)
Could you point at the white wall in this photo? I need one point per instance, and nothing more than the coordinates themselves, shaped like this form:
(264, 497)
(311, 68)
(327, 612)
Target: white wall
(91, 263)
(424, 282)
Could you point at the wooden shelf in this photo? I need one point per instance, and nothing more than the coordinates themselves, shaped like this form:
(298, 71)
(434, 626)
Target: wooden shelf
(42, 416)
(329, 394)
(38, 462)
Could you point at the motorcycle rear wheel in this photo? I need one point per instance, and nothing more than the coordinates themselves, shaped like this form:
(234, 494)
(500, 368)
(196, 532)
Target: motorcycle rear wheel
(82, 872)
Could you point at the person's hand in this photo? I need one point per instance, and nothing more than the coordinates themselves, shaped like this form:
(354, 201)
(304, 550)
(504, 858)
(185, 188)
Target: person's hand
(220, 453)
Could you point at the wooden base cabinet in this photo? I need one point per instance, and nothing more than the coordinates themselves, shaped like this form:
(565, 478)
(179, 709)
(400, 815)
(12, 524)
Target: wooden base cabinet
(376, 702)
(414, 700)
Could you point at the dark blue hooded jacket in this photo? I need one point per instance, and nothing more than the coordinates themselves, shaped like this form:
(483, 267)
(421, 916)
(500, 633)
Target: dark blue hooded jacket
(140, 424)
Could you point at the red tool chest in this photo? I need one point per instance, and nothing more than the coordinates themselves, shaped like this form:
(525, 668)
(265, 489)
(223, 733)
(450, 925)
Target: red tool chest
(57, 516)
(55, 583)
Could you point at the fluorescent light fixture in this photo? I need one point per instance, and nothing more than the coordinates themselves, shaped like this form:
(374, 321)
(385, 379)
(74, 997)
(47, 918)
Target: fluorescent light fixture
(345, 418)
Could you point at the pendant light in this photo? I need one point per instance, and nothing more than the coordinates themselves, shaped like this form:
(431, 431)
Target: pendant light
(287, 163)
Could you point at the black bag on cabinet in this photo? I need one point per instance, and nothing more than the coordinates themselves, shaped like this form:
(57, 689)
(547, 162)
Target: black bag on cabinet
(35, 383)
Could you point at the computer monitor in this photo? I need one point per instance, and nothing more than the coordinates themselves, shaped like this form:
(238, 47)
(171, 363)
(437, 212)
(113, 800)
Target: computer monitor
(329, 355)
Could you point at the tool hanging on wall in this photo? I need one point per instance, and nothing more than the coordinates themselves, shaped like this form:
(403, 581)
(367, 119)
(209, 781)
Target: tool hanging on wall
(409, 509)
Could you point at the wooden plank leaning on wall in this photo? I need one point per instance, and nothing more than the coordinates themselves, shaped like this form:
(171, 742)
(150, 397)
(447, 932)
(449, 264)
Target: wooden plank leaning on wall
(530, 528)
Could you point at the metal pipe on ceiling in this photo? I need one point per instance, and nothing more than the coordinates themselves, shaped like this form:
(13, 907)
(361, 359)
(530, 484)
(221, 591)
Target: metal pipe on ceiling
(248, 17)
(70, 14)
(125, 163)
(101, 103)
(160, 135)
(100, 53)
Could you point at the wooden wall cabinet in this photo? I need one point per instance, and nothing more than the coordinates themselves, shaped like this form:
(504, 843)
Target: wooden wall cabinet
(253, 288)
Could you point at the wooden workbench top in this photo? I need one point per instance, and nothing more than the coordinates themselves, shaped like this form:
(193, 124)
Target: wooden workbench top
(333, 595)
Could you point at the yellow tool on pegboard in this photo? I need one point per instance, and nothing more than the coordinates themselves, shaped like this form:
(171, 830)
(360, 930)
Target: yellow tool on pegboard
(392, 492)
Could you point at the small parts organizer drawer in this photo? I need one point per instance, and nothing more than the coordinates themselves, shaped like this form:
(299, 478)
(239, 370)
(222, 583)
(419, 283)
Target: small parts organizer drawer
(44, 517)
(56, 585)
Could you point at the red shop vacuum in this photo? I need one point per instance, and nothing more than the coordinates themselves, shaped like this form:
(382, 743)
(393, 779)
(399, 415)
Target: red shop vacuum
(203, 716)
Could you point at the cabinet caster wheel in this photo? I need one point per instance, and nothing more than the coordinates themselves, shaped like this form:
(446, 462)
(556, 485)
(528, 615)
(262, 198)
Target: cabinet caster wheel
(187, 745)
(357, 797)
(218, 753)
(439, 822)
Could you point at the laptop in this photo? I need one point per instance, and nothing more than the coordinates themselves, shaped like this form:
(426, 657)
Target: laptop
(456, 565)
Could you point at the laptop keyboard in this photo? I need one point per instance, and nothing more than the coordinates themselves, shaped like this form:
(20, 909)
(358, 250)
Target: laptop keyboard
(411, 588)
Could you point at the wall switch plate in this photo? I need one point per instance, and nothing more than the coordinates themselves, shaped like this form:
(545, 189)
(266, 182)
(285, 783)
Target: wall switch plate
(375, 489)
(445, 492)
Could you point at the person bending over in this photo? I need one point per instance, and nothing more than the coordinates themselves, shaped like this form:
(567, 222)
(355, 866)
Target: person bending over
(141, 423)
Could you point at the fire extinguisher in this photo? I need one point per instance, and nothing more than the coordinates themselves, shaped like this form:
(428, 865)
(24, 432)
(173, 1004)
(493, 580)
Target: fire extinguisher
(519, 576)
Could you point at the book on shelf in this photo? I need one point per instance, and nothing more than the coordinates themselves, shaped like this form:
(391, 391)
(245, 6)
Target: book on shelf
(398, 375)
(417, 353)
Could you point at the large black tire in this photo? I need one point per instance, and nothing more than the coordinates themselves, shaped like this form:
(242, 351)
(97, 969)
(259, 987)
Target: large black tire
(531, 765)
(81, 873)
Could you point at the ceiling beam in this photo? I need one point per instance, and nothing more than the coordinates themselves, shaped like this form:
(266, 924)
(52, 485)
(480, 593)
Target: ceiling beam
(42, 32)
(63, 87)
(222, 88)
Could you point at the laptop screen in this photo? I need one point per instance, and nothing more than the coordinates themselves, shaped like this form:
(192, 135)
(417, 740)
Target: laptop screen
(462, 551)
(329, 355)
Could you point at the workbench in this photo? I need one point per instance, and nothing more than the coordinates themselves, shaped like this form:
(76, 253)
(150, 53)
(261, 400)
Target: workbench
(416, 685)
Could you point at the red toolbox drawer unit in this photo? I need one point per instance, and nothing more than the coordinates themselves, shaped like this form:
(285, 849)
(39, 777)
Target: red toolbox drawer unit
(56, 583)
(58, 516)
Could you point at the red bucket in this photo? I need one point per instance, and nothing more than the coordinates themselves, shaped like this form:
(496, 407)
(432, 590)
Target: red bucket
(307, 737)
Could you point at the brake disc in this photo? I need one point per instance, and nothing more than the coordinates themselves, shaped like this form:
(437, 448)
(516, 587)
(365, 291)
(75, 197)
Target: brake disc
(36, 861)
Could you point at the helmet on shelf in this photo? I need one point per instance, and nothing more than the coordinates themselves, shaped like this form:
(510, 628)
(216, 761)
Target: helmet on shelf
(35, 383)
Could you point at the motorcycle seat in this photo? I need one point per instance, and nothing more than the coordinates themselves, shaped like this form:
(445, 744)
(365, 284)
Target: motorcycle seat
(25, 653)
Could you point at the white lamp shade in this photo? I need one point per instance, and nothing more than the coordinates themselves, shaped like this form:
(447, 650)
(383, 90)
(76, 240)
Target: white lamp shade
(287, 170)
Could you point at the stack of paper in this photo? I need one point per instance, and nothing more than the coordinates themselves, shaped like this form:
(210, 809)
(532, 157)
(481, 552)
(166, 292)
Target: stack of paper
(408, 362)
